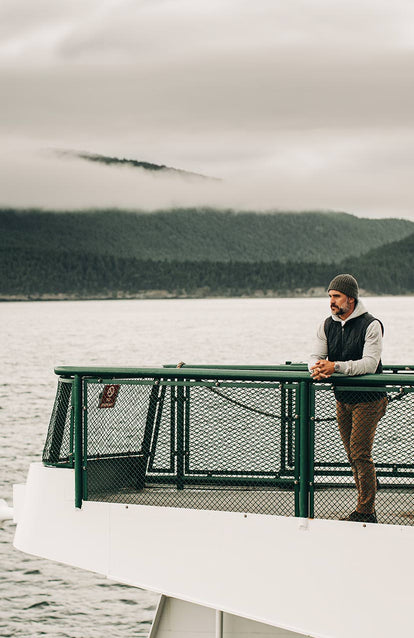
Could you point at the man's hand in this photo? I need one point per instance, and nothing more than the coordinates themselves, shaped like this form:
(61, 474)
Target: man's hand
(322, 369)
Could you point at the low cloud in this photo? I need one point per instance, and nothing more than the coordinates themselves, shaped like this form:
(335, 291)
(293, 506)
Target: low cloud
(299, 179)
(293, 105)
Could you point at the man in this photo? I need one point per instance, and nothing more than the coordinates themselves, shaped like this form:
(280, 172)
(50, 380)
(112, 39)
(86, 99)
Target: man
(350, 342)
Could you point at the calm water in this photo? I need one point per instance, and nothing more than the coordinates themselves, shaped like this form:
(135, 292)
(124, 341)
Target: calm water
(41, 598)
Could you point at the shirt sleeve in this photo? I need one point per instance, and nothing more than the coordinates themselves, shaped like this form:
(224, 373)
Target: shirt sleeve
(371, 353)
(319, 346)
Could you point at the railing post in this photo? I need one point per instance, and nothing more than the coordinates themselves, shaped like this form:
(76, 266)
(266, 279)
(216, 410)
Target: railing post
(311, 452)
(180, 437)
(77, 420)
(290, 441)
(187, 430)
(296, 462)
(283, 428)
(304, 419)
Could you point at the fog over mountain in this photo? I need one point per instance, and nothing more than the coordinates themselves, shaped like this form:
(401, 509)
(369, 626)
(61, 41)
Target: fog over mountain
(293, 105)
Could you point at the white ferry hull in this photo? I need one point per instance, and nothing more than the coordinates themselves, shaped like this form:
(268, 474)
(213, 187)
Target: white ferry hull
(319, 578)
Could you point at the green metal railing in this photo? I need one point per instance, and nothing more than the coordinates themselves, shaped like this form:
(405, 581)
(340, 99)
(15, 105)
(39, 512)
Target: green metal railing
(259, 439)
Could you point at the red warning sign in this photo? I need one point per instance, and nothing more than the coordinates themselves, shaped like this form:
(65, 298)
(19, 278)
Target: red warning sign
(108, 396)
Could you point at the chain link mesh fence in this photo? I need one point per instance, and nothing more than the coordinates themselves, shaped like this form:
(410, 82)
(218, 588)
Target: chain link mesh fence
(204, 445)
(58, 449)
(235, 445)
(363, 454)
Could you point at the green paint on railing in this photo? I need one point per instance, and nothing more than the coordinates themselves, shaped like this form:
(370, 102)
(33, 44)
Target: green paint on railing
(77, 417)
(304, 450)
(296, 423)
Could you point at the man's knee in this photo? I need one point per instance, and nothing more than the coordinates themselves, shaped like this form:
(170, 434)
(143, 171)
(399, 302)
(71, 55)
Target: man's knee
(361, 458)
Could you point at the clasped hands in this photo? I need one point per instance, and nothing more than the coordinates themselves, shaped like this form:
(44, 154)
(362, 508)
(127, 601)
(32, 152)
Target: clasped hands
(322, 369)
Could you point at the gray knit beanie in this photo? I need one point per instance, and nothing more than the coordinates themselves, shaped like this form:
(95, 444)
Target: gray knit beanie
(346, 284)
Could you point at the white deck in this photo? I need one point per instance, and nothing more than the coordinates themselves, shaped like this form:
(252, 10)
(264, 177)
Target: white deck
(391, 505)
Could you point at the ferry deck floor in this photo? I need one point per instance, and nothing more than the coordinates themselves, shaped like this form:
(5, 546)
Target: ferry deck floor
(393, 506)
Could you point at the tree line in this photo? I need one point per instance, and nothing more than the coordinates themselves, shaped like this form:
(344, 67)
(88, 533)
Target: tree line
(200, 234)
(34, 272)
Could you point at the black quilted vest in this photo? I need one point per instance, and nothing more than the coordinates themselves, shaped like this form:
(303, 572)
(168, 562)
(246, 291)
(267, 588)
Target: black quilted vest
(347, 343)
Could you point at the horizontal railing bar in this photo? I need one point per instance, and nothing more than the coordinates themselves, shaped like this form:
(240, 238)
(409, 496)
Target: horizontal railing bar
(334, 468)
(285, 366)
(407, 466)
(384, 486)
(233, 374)
(198, 472)
(122, 381)
(225, 473)
(189, 383)
(374, 379)
(221, 481)
(403, 487)
(360, 388)
(377, 465)
(114, 455)
(161, 470)
(380, 473)
(179, 373)
(366, 380)
(333, 464)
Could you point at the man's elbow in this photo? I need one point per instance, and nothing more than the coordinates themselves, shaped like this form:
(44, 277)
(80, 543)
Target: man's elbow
(371, 366)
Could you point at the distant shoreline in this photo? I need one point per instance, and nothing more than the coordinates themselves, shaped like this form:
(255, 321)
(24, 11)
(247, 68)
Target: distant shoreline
(317, 292)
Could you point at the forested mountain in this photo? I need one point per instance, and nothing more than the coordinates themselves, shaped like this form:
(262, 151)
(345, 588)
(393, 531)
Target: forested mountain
(82, 254)
(389, 269)
(201, 235)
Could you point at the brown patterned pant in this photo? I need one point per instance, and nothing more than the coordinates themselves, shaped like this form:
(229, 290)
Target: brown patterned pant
(357, 424)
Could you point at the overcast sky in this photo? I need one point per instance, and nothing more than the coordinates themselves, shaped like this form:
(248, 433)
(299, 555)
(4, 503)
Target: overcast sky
(294, 104)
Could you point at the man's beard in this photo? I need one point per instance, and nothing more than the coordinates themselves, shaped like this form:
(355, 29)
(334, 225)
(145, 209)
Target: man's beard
(341, 310)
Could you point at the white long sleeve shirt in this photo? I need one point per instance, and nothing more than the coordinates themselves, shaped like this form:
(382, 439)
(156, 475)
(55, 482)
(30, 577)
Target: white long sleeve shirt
(371, 354)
